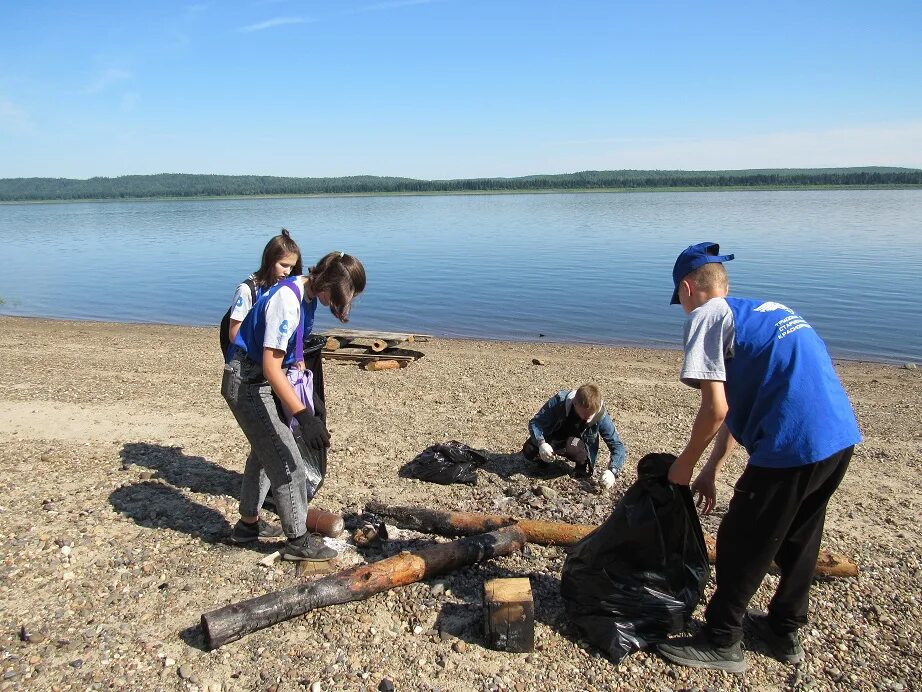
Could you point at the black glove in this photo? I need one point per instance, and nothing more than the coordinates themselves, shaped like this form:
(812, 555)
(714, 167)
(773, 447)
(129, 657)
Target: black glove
(320, 408)
(313, 431)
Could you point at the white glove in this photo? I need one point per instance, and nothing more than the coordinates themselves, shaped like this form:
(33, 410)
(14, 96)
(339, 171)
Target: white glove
(608, 479)
(546, 452)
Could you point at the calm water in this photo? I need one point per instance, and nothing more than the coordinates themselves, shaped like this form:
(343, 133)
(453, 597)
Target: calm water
(573, 267)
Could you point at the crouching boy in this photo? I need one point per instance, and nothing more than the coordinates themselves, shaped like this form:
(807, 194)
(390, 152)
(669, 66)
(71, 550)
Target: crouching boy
(569, 425)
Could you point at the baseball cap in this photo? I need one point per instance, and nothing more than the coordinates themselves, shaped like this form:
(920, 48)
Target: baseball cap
(692, 257)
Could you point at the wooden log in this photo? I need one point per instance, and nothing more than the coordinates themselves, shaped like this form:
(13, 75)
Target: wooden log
(509, 614)
(548, 532)
(384, 365)
(471, 523)
(379, 345)
(324, 522)
(236, 620)
(336, 342)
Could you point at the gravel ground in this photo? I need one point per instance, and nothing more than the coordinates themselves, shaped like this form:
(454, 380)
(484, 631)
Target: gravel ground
(122, 463)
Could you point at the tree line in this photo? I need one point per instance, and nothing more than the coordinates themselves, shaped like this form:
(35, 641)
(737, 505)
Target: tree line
(196, 185)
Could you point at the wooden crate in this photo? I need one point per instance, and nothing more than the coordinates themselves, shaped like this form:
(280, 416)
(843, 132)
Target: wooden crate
(509, 614)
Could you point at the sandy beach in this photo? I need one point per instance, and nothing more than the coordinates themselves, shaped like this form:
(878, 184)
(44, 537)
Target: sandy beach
(121, 467)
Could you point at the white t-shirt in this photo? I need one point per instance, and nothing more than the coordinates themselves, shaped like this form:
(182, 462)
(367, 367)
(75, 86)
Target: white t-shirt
(708, 338)
(283, 312)
(243, 301)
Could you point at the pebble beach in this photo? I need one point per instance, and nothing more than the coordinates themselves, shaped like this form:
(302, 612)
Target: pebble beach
(122, 464)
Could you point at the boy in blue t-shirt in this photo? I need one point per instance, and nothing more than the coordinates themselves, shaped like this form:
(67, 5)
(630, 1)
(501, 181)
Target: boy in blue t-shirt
(767, 382)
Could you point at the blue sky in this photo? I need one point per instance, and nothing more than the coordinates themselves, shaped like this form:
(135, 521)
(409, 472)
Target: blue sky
(455, 88)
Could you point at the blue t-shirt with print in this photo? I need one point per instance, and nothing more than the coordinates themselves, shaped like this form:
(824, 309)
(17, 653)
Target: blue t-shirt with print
(787, 406)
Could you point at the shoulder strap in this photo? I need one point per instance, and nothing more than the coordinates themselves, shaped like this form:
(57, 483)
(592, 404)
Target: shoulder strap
(299, 333)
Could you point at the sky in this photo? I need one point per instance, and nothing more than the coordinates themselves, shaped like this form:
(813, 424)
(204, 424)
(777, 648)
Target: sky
(455, 88)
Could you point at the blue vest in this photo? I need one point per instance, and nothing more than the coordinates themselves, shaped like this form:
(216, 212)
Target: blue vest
(253, 328)
(786, 404)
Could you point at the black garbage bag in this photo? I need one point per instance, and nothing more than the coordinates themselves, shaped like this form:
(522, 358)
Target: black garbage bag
(638, 577)
(315, 464)
(446, 463)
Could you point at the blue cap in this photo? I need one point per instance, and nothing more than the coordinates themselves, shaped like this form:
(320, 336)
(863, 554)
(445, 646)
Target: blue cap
(692, 257)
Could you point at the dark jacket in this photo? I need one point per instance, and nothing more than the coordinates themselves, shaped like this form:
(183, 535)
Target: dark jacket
(552, 416)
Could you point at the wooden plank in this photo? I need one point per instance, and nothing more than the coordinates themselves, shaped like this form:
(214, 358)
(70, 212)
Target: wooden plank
(365, 355)
(374, 334)
(509, 614)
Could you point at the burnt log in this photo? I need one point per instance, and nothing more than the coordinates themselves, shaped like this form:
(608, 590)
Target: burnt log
(236, 620)
(471, 523)
(547, 532)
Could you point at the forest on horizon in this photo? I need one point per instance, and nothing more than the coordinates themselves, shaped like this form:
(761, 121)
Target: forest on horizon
(204, 185)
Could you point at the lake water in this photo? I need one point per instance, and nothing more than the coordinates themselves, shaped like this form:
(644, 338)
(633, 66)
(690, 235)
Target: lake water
(585, 267)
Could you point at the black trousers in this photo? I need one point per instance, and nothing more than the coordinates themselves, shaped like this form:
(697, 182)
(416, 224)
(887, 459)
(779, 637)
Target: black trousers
(774, 515)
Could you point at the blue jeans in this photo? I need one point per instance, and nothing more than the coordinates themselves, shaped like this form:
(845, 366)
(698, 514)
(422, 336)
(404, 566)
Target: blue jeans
(275, 460)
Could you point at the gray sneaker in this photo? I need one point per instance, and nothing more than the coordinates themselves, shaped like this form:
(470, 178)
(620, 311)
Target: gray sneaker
(307, 548)
(699, 652)
(247, 533)
(784, 647)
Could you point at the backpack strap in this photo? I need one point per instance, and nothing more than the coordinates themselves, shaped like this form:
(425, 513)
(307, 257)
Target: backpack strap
(251, 284)
(299, 333)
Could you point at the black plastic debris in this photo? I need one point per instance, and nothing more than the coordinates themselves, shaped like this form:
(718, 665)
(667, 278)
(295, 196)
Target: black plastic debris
(446, 463)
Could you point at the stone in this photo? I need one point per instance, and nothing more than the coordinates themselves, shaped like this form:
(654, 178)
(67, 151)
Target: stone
(184, 672)
(460, 646)
(547, 492)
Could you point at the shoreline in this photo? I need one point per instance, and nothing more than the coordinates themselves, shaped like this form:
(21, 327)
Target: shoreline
(656, 347)
(122, 469)
(549, 191)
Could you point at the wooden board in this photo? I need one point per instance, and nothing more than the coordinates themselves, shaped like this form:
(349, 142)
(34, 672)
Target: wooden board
(373, 334)
(363, 355)
(509, 614)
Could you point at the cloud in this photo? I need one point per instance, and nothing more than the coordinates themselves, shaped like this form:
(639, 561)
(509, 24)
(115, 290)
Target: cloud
(105, 79)
(392, 4)
(13, 118)
(272, 23)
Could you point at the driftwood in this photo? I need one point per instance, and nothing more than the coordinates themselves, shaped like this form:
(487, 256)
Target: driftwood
(236, 620)
(472, 523)
(547, 532)
(385, 365)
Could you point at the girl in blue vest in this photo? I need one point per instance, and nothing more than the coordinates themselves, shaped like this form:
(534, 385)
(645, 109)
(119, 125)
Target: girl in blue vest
(257, 389)
(281, 258)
